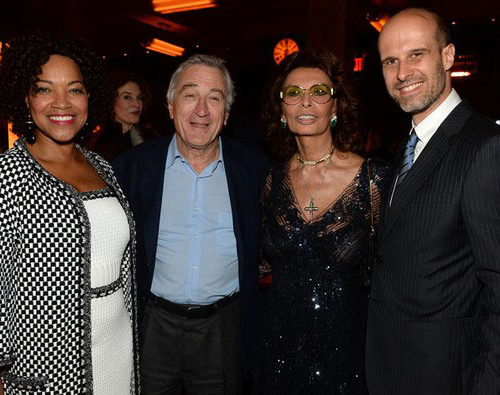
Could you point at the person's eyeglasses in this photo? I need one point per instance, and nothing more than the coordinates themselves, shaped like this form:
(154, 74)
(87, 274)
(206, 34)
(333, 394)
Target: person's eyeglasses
(320, 94)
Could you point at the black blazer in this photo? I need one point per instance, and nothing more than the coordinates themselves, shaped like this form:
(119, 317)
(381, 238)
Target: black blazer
(140, 172)
(434, 316)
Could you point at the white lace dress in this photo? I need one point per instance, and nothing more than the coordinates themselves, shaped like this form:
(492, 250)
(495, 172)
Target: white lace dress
(112, 359)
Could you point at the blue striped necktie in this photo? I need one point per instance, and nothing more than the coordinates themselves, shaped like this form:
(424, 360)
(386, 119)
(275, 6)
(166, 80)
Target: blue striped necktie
(408, 157)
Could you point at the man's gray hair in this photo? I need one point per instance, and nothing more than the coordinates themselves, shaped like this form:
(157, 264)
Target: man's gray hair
(205, 60)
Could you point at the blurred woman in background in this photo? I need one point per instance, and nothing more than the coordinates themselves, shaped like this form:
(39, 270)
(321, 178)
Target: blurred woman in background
(124, 126)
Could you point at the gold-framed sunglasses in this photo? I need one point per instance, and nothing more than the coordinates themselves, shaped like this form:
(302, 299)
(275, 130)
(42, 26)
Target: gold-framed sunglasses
(319, 93)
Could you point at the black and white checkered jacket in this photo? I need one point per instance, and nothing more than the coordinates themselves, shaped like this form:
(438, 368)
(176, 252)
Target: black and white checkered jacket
(45, 292)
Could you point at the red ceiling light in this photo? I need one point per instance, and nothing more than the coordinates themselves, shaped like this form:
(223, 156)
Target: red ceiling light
(162, 23)
(165, 47)
(171, 6)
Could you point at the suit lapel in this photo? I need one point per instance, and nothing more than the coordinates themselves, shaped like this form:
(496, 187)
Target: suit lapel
(152, 192)
(428, 160)
(396, 165)
(236, 176)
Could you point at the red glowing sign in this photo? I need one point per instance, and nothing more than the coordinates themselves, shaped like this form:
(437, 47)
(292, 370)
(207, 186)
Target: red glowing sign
(359, 64)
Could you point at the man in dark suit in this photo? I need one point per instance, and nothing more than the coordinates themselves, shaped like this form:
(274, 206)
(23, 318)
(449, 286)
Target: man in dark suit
(195, 199)
(434, 317)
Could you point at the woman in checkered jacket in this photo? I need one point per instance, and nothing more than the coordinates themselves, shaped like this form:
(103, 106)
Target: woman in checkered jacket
(67, 293)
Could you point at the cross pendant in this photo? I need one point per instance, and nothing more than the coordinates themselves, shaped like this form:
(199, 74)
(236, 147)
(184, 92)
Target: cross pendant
(311, 208)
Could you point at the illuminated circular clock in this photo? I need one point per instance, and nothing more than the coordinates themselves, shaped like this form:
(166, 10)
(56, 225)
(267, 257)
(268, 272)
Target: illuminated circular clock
(284, 48)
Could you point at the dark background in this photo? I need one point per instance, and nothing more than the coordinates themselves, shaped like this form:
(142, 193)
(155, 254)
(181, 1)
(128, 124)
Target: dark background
(245, 33)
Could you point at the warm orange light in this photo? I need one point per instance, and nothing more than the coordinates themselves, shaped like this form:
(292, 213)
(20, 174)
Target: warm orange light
(460, 74)
(160, 22)
(359, 64)
(165, 48)
(378, 23)
(12, 136)
(465, 65)
(171, 6)
(283, 48)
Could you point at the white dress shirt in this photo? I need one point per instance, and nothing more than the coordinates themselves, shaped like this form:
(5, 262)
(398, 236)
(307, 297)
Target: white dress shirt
(426, 129)
(196, 256)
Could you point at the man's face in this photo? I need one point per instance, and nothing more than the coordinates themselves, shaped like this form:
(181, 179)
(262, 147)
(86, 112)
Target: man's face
(199, 108)
(414, 65)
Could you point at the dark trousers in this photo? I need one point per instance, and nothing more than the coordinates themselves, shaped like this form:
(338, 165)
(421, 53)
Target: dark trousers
(191, 355)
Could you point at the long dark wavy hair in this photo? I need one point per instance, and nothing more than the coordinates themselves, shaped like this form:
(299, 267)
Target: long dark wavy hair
(22, 59)
(281, 142)
(119, 78)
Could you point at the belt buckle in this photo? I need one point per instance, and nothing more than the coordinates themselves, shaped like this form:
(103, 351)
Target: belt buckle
(195, 312)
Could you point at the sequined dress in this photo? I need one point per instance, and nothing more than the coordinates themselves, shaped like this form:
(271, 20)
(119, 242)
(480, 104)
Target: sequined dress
(312, 319)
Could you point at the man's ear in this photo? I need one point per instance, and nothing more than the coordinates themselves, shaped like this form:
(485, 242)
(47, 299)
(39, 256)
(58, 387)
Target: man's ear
(226, 117)
(170, 110)
(448, 56)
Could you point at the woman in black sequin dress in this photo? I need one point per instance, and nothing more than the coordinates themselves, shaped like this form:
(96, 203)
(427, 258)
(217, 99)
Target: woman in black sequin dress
(317, 214)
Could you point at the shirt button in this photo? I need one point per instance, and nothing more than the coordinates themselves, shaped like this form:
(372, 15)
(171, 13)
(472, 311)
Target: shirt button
(193, 267)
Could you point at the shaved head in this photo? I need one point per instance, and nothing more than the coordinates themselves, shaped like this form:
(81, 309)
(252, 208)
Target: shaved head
(442, 32)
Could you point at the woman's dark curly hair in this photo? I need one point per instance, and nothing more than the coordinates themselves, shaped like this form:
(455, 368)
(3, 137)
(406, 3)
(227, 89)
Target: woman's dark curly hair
(22, 60)
(120, 78)
(282, 144)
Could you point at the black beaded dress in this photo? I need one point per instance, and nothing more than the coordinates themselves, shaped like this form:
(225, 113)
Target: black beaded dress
(312, 318)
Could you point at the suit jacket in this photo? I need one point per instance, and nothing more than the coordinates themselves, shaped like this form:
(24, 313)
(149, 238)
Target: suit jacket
(434, 316)
(140, 172)
(45, 278)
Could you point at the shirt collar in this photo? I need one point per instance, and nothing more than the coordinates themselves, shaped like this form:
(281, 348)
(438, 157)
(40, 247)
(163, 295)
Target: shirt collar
(173, 154)
(426, 129)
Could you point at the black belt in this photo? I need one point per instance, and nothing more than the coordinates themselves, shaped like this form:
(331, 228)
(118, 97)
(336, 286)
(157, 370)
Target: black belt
(193, 310)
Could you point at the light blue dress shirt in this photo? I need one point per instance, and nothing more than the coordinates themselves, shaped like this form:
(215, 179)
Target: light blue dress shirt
(196, 257)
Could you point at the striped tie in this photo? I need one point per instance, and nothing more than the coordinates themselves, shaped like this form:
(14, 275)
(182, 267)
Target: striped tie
(408, 157)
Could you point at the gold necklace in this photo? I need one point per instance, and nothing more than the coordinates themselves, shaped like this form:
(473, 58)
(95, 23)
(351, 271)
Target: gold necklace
(315, 162)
